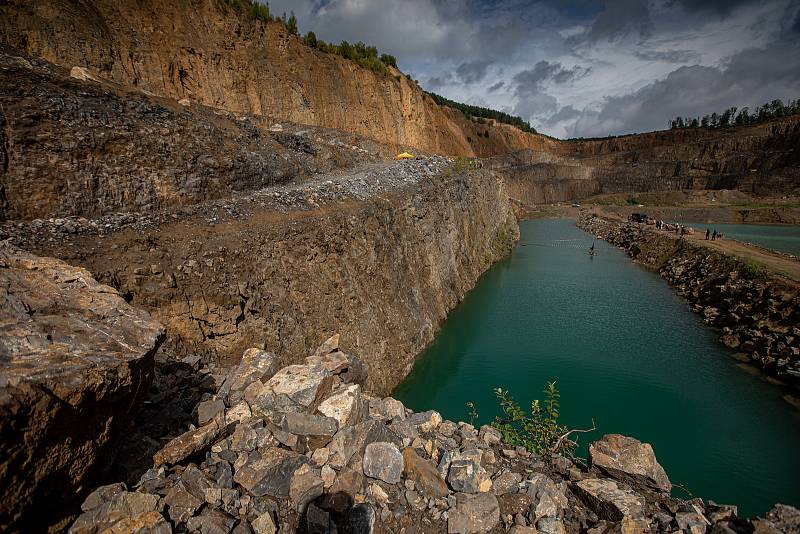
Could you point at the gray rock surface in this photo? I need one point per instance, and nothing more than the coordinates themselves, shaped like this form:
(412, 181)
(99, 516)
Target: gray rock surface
(255, 475)
(383, 461)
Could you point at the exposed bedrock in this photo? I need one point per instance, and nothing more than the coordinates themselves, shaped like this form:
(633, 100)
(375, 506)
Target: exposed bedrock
(84, 147)
(758, 313)
(217, 55)
(74, 360)
(760, 159)
(384, 271)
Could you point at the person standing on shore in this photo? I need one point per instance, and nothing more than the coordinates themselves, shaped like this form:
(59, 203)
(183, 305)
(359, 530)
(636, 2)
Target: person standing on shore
(714, 236)
(708, 233)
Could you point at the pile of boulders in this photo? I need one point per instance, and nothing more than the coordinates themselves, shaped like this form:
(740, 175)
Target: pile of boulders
(303, 448)
(757, 314)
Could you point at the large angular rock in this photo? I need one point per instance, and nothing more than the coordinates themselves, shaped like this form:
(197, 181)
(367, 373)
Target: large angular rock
(256, 365)
(383, 461)
(269, 471)
(473, 513)
(305, 486)
(353, 440)
(629, 460)
(314, 431)
(306, 385)
(607, 500)
(187, 444)
(74, 360)
(342, 405)
(468, 476)
(424, 474)
(548, 498)
(107, 509)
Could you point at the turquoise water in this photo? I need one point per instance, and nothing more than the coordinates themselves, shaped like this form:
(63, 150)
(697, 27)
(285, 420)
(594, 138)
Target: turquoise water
(781, 238)
(625, 350)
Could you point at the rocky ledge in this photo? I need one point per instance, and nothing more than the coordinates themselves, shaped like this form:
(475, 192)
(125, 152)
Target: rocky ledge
(74, 359)
(757, 314)
(304, 449)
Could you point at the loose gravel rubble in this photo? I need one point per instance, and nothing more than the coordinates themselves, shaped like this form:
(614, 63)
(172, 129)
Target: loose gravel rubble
(304, 449)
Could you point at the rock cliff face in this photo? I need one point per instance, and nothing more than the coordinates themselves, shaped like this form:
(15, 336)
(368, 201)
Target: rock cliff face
(85, 147)
(211, 53)
(383, 267)
(74, 360)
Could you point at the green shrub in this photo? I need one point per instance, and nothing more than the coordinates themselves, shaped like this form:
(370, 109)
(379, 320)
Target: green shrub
(754, 269)
(538, 431)
(260, 11)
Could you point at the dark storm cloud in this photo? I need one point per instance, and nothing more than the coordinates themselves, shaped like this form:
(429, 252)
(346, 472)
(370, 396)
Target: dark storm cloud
(566, 113)
(544, 71)
(437, 82)
(621, 18)
(496, 87)
(473, 71)
(670, 56)
(751, 77)
(721, 7)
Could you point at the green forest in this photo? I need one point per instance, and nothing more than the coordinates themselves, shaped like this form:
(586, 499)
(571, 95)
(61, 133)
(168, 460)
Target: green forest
(483, 113)
(739, 117)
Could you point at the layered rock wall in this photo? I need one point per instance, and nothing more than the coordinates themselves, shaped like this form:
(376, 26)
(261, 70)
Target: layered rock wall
(384, 271)
(83, 147)
(212, 53)
(758, 313)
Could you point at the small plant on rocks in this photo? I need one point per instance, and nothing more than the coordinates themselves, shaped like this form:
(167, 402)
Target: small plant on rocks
(538, 431)
(473, 415)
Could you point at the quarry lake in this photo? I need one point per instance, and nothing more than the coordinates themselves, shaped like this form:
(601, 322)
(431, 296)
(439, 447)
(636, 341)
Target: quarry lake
(780, 238)
(626, 351)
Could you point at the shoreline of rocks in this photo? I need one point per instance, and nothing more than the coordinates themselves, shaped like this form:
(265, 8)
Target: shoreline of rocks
(757, 314)
(304, 449)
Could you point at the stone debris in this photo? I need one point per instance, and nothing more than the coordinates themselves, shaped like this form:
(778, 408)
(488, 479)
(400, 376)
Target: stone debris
(628, 459)
(308, 450)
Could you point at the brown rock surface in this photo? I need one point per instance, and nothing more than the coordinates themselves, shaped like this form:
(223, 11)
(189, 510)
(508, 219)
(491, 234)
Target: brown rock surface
(74, 359)
(630, 460)
(222, 57)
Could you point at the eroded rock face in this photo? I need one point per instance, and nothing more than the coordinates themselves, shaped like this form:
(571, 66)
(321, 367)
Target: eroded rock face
(74, 359)
(629, 459)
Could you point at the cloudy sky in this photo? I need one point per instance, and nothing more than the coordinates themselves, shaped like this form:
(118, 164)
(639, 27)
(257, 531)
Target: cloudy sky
(580, 67)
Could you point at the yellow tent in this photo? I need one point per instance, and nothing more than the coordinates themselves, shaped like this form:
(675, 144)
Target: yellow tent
(404, 155)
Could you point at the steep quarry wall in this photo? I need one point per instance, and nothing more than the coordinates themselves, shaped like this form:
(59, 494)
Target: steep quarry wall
(83, 147)
(206, 51)
(758, 313)
(211, 53)
(385, 272)
(761, 160)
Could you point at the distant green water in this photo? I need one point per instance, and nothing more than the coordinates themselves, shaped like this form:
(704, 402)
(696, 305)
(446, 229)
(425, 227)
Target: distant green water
(624, 350)
(781, 238)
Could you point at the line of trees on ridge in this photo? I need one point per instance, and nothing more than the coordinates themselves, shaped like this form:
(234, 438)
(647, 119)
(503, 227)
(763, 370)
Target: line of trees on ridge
(739, 117)
(483, 113)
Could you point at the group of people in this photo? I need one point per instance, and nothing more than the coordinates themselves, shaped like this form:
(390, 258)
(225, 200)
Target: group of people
(679, 229)
(713, 236)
